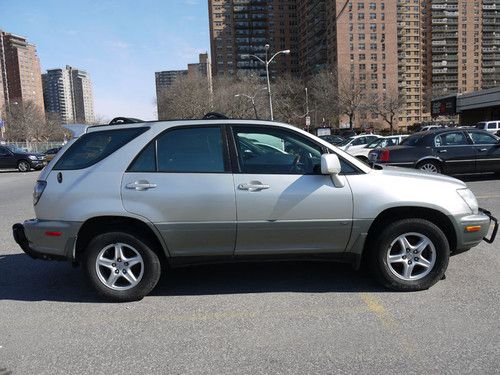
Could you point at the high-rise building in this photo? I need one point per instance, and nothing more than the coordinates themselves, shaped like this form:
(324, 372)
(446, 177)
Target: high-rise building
(239, 28)
(20, 70)
(68, 92)
(490, 43)
(57, 94)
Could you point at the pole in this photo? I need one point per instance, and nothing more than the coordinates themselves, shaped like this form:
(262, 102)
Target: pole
(269, 85)
(255, 108)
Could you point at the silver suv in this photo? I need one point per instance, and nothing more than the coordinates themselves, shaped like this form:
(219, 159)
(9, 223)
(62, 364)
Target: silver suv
(126, 201)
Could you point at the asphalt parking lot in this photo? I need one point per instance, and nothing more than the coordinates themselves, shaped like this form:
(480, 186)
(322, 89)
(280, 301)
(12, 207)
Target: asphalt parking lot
(254, 318)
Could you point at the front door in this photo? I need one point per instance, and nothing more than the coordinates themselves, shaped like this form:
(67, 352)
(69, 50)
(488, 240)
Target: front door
(456, 151)
(182, 183)
(284, 203)
(488, 151)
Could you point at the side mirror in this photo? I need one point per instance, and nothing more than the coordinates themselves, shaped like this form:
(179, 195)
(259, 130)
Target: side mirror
(330, 164)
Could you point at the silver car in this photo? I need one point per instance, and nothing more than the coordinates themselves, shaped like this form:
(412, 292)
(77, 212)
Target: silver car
(128, 201)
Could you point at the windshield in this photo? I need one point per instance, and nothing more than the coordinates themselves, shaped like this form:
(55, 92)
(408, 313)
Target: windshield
(412, 140)
(15, 149)
(374, 143)
(481, 125)
(345, 142)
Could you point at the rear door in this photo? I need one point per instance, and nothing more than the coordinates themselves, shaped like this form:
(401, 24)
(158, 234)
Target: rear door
(488, 151)
(183, 184)
(457, 152)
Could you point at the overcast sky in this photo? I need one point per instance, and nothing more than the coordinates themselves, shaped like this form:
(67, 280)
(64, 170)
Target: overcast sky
(121, 43)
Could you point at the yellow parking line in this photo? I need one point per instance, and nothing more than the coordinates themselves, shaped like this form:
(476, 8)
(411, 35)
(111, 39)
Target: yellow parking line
(374, 305)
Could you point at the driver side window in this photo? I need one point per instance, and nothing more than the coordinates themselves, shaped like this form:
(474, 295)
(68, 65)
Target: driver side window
(276, 151)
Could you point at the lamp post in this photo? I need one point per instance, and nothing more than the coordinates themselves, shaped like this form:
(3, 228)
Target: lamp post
(266, 62)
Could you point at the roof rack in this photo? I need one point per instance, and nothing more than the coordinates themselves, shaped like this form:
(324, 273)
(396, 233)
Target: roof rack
(124, 120)
(215, 116)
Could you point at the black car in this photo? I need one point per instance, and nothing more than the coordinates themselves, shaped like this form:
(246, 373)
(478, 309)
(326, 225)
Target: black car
(450, 151)
(333, 139)
(15, 157)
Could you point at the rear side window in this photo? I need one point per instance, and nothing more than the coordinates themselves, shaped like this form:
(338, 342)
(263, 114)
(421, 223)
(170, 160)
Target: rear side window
(93, 147)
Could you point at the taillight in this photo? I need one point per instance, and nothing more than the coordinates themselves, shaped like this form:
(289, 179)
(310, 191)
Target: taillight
(384, 155)
(38, 191)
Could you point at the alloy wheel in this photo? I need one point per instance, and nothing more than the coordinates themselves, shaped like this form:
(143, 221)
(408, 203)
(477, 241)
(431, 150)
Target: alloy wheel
(119, 266)
(411, 256)
(429, 167)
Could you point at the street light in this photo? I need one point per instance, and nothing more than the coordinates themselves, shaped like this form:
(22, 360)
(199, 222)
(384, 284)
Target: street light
(266, 63)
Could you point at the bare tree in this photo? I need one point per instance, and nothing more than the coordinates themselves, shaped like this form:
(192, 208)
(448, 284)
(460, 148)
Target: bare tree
(351, 98)
(289, 100)
(324, 95)
(23, 121)
(387, 107)
(187, 98)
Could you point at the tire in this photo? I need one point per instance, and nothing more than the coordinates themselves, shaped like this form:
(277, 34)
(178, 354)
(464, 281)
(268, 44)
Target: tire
(23, 166)
(430, 166)
(391, 271)
(121, 287)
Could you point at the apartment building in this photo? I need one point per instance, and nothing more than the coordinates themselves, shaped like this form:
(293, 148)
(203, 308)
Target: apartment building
(239, 28)
(20, 70)
(68, 92)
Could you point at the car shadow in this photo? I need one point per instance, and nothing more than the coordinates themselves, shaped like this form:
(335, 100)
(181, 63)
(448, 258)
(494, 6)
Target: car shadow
(25, 279)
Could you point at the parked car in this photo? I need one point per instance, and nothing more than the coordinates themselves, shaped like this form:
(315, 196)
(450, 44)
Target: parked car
(51, 153)
(332, 139)
(430, 127)
(449, 151)
(357, 142)
(489, 126)
(14, 157)
(362, 153)
(125, 200)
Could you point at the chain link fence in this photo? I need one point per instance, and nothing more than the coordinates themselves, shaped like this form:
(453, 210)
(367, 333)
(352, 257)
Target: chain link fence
(35, 146)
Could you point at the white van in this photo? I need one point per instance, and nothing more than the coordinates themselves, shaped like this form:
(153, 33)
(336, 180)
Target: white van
(489, 126)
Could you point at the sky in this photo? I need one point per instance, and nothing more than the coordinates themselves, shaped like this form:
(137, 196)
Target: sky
(120, 43)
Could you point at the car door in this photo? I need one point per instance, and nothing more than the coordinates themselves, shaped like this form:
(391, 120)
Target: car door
(456, 151)
(488, 151)
(7, 159)
(284, 203)
(183, 184)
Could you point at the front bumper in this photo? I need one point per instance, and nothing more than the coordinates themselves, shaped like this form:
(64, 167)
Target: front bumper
(482, 221)
(48, 240)
(38, 164)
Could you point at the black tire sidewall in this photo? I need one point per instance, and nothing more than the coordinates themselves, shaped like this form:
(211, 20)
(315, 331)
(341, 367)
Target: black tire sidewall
(152, 267)
(379, 255)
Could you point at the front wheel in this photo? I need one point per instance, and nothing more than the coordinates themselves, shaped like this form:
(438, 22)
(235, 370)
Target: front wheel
(410, 255)
(23, 166)
(121, 267)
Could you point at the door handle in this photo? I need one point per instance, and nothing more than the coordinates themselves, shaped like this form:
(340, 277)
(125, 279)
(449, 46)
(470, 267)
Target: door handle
(442, 151)
(253, 186)
(140, 185)
(482, 149)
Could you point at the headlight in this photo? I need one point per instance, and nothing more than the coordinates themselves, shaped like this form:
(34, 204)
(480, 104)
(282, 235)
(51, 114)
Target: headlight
(470, 199)
(32, 157)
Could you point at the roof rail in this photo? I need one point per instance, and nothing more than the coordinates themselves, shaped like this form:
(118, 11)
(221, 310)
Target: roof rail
(215, 116)
(124, 120)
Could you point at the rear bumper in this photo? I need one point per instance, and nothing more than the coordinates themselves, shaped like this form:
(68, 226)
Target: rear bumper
(48, 240)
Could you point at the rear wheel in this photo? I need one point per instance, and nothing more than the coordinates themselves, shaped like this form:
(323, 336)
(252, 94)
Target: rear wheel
(121, 267)
(430, 166)
(23, 166)
(410, 255)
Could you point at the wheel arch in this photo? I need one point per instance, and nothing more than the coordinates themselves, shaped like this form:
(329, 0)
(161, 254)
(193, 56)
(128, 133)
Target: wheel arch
(390, 215)
(102, 224)
(429, 158)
